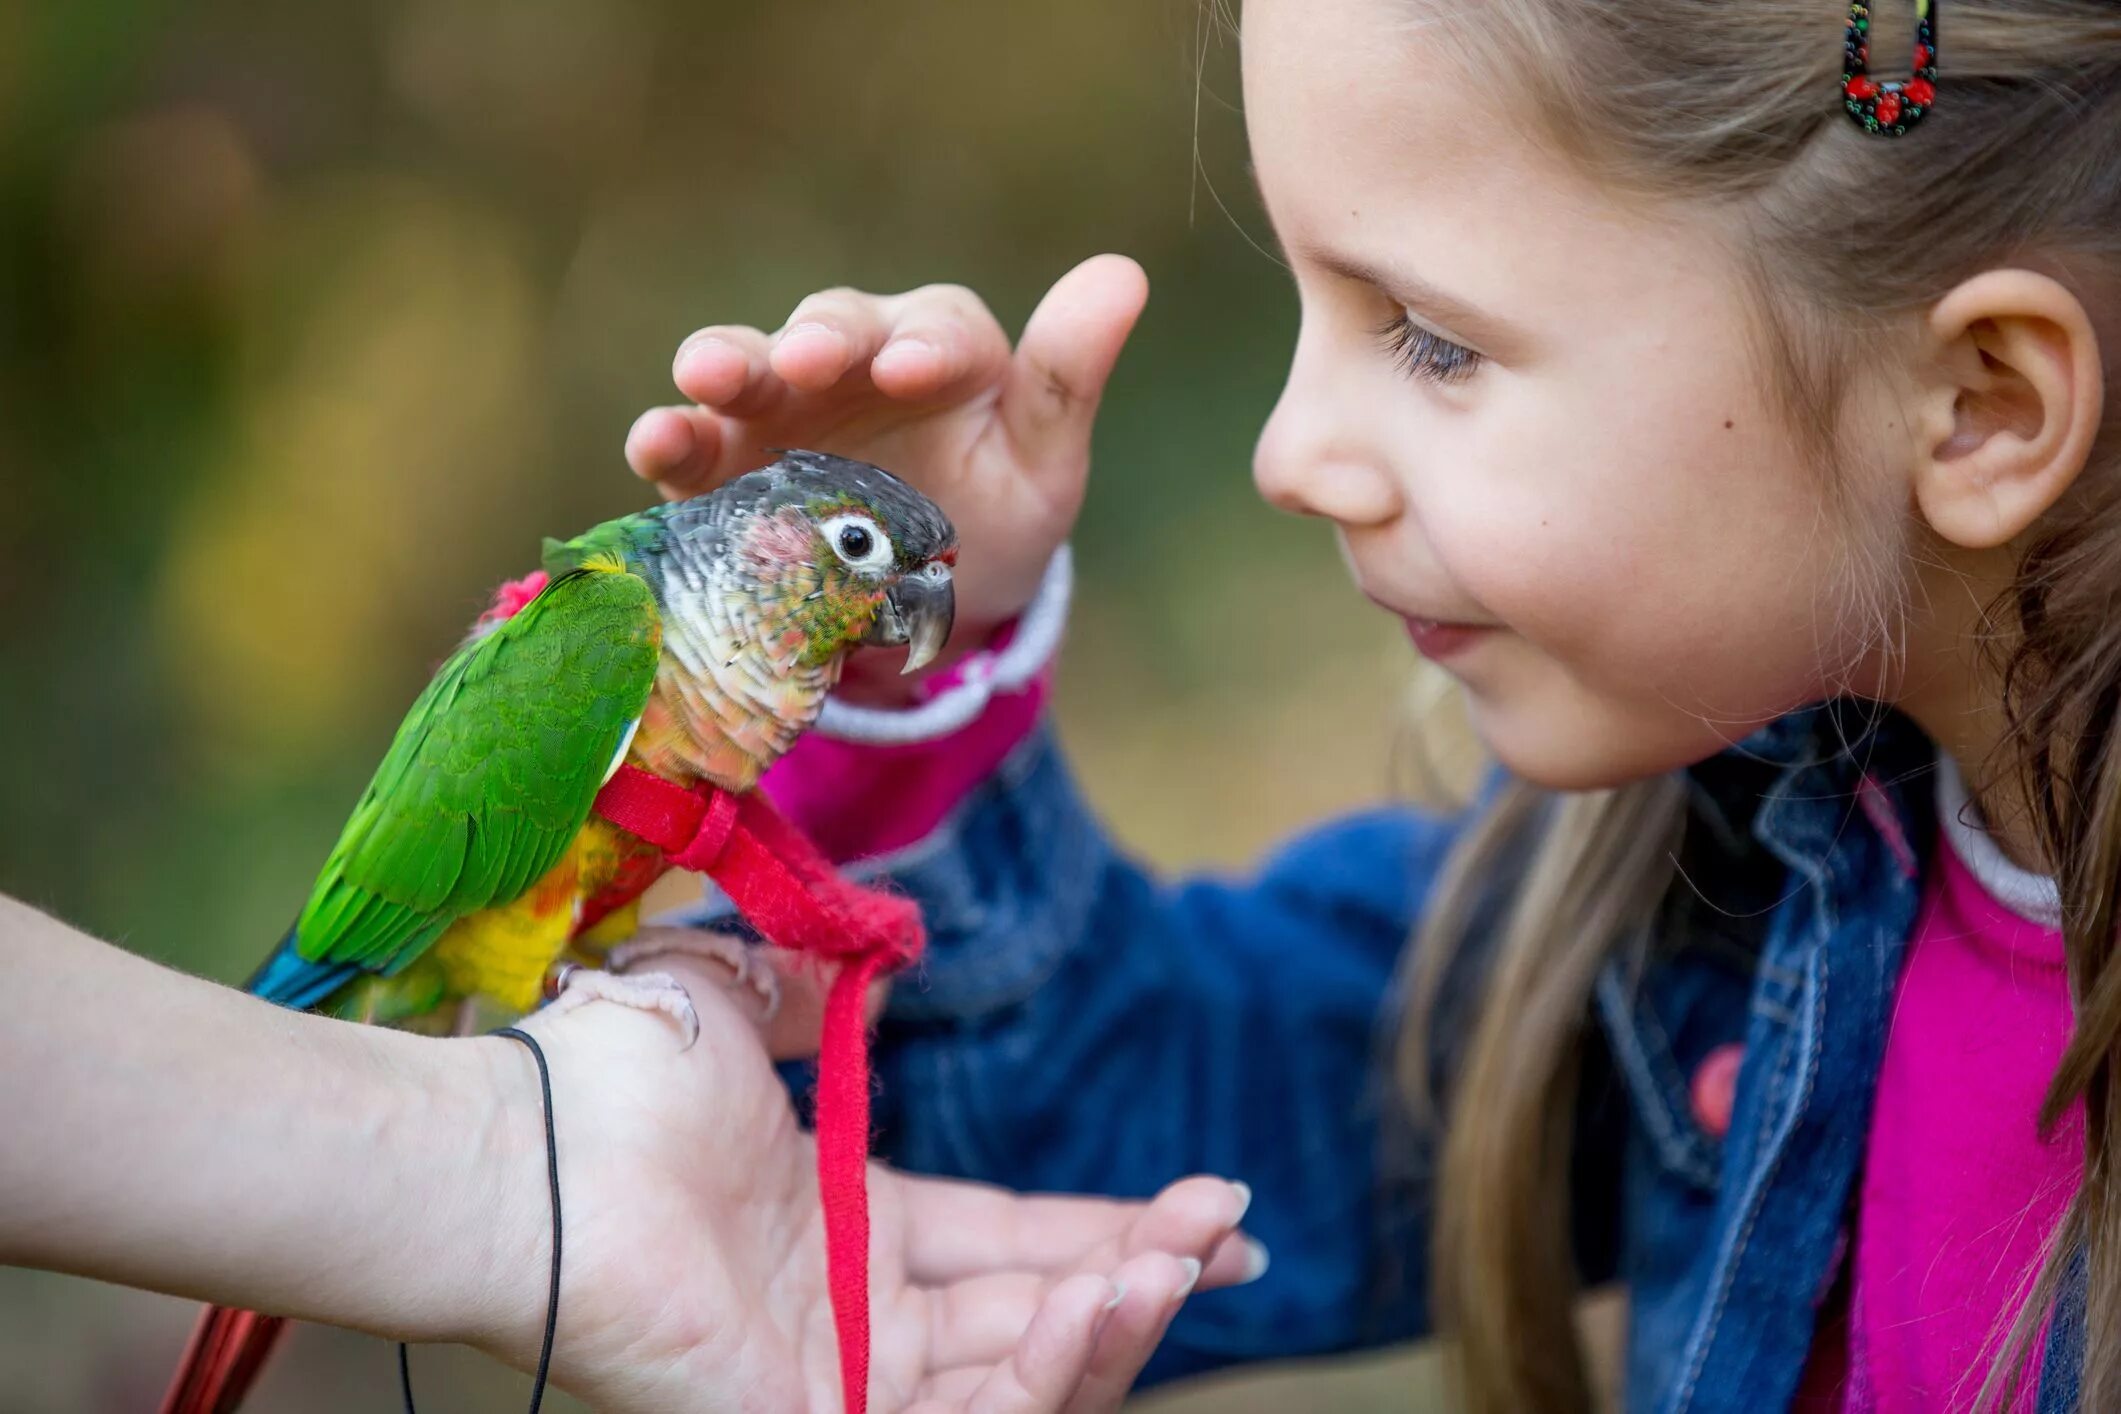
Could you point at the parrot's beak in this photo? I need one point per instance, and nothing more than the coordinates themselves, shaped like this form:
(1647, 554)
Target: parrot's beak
(918, 612)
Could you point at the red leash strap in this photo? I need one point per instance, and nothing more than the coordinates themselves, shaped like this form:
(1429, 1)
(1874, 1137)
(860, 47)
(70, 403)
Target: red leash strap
(795, 898)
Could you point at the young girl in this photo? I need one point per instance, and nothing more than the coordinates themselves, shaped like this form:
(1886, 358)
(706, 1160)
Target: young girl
(1753, 473)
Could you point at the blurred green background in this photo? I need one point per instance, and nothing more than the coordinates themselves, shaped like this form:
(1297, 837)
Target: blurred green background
(314, 318)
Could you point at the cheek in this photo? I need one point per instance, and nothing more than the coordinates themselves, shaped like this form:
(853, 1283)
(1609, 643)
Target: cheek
(1653, 553)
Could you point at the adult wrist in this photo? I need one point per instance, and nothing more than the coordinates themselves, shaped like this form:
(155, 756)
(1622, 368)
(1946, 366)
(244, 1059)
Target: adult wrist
(481, 1248)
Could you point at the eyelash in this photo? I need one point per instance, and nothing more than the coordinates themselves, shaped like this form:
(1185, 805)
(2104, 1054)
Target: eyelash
(1425, 355)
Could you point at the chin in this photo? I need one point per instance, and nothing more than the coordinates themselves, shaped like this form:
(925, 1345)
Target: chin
(1576, 747)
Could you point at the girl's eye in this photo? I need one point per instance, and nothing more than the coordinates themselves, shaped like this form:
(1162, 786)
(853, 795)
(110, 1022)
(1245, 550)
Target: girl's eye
(1426, 355)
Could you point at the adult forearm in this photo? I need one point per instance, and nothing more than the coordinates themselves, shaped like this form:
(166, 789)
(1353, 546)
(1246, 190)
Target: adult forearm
(169, 1133)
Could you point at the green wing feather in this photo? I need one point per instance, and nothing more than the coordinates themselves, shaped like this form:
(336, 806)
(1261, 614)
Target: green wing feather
(492, 773)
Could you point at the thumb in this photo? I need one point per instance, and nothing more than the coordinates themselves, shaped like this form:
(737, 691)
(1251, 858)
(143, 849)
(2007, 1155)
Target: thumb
(791, 1033)
(1051, 390)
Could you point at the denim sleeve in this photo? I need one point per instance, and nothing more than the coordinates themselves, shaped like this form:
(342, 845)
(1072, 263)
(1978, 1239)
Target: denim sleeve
(1081, 1026)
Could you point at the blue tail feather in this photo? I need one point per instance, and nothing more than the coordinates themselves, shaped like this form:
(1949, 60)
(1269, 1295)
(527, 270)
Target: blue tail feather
(291, 980)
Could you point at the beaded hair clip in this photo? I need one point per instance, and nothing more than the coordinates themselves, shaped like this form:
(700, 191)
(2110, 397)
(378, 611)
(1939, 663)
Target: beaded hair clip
(1888, 109)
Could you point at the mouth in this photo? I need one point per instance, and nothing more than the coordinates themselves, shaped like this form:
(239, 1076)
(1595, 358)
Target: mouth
(917, 612)
(1436, 639)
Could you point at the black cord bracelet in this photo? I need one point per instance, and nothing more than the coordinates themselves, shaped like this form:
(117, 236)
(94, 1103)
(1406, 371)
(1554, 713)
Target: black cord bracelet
(552, 1297)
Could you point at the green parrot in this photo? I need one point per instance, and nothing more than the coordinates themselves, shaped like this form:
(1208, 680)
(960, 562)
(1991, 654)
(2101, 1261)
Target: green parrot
(696, 640)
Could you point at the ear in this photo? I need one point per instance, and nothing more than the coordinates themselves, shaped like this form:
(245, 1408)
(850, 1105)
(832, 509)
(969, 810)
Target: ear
(2011, 407)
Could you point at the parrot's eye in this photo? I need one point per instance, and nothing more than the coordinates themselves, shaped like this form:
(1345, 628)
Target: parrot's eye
(857, 541)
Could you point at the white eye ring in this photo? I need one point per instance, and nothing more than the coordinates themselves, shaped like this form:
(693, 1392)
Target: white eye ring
(859, 542)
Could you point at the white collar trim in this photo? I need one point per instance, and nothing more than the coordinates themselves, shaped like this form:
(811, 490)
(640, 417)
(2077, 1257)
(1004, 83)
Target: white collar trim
(2031, 896)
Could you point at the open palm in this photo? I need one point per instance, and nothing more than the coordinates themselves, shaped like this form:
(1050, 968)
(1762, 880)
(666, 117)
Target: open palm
(694, 1271)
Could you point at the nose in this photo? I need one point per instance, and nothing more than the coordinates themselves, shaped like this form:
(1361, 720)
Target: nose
(1307, 464)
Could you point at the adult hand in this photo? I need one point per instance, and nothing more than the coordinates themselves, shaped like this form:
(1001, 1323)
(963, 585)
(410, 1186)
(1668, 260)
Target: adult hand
(694, 1271)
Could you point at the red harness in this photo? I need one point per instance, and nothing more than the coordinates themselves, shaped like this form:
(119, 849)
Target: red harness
(795, 898)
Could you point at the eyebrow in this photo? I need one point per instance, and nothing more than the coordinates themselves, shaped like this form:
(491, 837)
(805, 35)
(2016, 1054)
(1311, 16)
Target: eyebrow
(1413, 291)
(1455, 314)
(1418, 295)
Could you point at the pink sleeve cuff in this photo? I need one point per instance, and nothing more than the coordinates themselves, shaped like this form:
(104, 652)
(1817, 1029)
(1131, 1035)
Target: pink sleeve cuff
(857, 800)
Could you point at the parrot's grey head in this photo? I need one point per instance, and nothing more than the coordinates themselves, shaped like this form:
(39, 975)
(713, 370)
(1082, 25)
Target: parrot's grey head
(840, 552)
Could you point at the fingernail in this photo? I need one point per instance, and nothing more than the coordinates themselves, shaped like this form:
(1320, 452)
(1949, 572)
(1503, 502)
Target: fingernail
(805, 331)
(1256, 1261)
(1192, 1266)
(1119, 1294)
(1244, 1201)
(730, 367)
(698, 344)
(638, 429)
(900, 349)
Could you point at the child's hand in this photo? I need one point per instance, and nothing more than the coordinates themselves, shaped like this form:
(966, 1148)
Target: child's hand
(925, 385)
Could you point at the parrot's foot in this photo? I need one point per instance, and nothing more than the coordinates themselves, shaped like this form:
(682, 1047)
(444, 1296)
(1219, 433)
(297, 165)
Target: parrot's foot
(733, 953)
(572, 985)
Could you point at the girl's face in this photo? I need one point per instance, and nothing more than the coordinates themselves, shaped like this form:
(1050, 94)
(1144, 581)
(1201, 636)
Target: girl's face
(1533, 415)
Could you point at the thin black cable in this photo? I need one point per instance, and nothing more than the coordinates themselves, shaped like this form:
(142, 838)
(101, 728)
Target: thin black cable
(552, 1296)
(552, 1174)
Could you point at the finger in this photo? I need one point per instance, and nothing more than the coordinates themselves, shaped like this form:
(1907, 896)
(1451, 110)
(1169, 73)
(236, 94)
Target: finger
(1055, 1353)
(943, 342)
(1146, 1293)
(674, 447)
(1155, 1285)
(977, 1322)
(791, 1033)
(829, 333)
(1238, 1260)
(955, 1230)
(1188, 1219)
(725, 367)
(1051, 391)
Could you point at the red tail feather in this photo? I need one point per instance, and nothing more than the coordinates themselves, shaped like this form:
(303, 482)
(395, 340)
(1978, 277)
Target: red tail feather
(227, 1350)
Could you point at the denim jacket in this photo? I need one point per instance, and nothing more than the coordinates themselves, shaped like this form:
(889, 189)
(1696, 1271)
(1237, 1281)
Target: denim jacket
(1080, 1025)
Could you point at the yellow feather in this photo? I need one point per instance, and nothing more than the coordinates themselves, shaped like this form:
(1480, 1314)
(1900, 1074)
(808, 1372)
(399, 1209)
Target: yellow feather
(503, 953)
(612, 929)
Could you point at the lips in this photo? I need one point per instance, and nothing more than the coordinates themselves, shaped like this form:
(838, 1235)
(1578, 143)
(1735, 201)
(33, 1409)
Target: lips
(1435, 639)
(1438, 641)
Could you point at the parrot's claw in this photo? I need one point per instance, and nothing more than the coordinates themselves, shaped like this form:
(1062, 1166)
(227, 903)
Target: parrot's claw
(573, 985)
(733, 953)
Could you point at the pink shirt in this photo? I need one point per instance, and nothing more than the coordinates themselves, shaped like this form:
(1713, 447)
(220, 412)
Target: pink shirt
(1959, 1193)
(859, 801)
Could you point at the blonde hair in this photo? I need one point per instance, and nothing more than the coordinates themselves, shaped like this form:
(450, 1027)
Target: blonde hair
(1736, 106)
